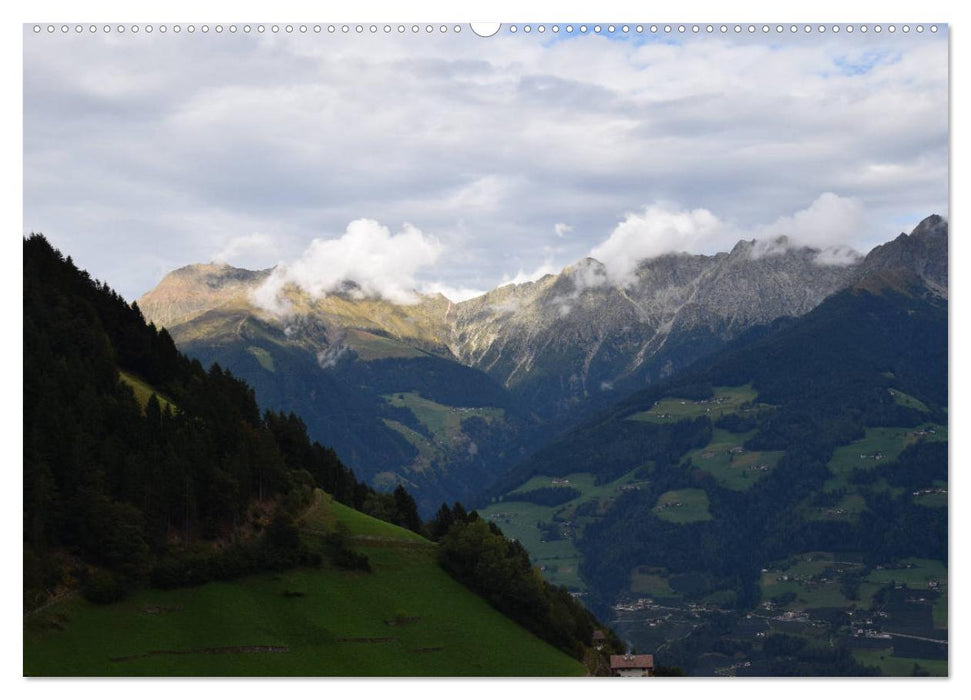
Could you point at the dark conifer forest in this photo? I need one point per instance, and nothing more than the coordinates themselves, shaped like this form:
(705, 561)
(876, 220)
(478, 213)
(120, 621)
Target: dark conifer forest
(130, 486)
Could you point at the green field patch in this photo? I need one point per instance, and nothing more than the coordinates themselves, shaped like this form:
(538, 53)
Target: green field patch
(908, 401)
(428, 452)
(326, 512)
(651, 581)
(916, 573)
(558, 558)
(847, 509)
(584, 482)
(724, 401)
(532, 524)
(370, 346)
(879, 446)
(143, 391)
(730, 463)
(263, 357)
(934, 496)
(305, 622)
(896, 666)
(444, 422)
(683, 506)
(813, 580)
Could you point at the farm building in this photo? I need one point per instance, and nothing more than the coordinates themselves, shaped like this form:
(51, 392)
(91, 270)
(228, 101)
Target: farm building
(632, 665)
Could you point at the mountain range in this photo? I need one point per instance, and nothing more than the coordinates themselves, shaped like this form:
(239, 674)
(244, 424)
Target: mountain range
(447, 397)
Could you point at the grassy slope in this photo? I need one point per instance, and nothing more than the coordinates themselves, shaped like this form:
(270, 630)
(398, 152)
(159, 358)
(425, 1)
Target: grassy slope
(887, 442)
(683, 506)
(733, 471)
(143, 390)
(457, 633)
(445, 422)
(559, 559)
(725, 400)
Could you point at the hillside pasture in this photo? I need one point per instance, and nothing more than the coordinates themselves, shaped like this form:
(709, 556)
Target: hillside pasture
(724, 401)
(730, 463)
(908, 401)
(558, 559)
(305, 622)
(370, 346)
(143, 390)
(444, 422)
(879, 446)
(263, 357)
(683, 506)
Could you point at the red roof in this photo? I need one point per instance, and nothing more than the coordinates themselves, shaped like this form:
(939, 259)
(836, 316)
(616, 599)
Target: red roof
(631, 661)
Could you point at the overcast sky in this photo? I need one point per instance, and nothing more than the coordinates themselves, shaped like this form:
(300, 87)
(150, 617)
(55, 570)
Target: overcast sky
(457, 163)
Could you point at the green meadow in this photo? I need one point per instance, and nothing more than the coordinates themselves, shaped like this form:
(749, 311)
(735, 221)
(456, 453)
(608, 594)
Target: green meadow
(558, 559)
(878, 446)
(445, 422)
(725, 400)
(305, 622)
(908, 400)
(683, 506)
(733, 466)
(143, 390)
(370, 346)
(263, 357)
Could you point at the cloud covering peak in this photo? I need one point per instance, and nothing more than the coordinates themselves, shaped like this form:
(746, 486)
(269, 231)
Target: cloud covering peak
(825, 225)
(380, 263)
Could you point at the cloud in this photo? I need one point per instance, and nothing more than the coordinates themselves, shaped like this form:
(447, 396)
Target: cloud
(521, 277)
(242, 249)
(659, 229)
(561, 229)
(376, 262)
(826, 225)
(162, 149)
(451, 293)
(840, 256)
(829, 221)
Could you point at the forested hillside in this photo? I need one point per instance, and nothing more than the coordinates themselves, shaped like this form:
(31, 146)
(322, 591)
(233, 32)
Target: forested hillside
(133, 453)
(817, 439)
(145, 474)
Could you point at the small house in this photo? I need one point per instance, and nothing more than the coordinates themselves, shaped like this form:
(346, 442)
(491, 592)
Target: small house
(632, 665)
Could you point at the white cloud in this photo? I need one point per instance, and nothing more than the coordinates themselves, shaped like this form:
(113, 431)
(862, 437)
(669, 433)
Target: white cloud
(828, 224)
(657, 230)
(829, 221)
(243, 249)
(450, 292)
(521, 277)
(840, 256)
(477, 140)
(561, 229)
(379, 263)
